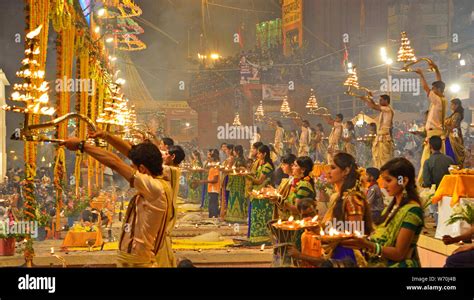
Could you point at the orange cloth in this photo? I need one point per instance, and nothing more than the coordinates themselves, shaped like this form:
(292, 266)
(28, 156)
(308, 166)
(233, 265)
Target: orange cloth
(319, 169)
(78, 239)
(99, 205)
(213, 187)
(310, 244)
(456, 186)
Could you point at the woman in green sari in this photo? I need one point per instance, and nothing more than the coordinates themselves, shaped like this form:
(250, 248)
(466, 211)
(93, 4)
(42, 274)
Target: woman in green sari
(300, 186)
(260, 210)
(237, 205)
(195, 190)
(393, 243)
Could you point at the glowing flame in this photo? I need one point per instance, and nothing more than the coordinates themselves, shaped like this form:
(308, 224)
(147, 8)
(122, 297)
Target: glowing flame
(321, 232)
(357, 233)
(279, 222)
(40, 74)
(43, 87)
(44, 98)
(36, 108)
(314, 219)
(34, 32)
(290, 219)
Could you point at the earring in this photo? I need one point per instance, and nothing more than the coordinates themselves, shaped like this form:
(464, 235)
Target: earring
(405, 193)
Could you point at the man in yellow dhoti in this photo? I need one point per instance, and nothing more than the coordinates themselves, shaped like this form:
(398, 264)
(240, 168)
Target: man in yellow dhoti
(146, 219)
(335, 136)
(279, 137)
(436, 113)
(382, 148)
(305, 139)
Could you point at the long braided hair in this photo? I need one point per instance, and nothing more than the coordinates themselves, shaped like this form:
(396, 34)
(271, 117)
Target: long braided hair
(343, 161)
(396, 167)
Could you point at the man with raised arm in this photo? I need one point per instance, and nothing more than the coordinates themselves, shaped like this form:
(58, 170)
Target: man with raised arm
(382, 148)
(436, 113)
(147, 217)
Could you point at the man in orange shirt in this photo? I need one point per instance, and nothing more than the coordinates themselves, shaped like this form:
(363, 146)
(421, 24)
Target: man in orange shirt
(213, 183)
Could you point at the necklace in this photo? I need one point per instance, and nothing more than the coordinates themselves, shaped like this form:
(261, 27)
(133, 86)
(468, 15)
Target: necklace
(392, 212)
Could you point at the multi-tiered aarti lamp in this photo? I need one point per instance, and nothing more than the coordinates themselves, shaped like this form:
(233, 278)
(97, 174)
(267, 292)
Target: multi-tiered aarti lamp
(259, 113)
(34, 94)
(286, 112)
(34, 91)
(314, 108)
(261, 117)
(237, 120)
(352, 83)
(115, 108)
(406, 54)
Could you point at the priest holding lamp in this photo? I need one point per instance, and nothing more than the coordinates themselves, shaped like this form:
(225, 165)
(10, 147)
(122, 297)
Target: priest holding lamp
(436, 113)
(383, 145)
(146, 219)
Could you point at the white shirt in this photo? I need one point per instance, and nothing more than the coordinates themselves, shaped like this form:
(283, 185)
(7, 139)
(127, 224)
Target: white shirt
(279, 132)
(305, 136)
(435, 113)
(336, 133)
(386, 118)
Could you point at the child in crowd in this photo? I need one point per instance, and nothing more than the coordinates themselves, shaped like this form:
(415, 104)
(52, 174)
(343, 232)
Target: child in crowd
(374, 194)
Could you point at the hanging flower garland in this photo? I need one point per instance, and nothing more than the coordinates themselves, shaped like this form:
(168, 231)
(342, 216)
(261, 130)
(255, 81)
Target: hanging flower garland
(65, 55)
(37, 13)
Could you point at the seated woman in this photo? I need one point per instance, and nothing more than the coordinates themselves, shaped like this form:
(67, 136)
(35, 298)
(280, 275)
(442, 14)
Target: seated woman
(393, 244)
(300, 186)
(347, 205)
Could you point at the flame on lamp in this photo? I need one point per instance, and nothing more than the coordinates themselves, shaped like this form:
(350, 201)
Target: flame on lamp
(34, 32)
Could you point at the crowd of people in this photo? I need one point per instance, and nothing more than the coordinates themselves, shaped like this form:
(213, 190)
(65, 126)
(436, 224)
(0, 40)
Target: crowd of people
(393, 228)
(273, 68)
(276, 180)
